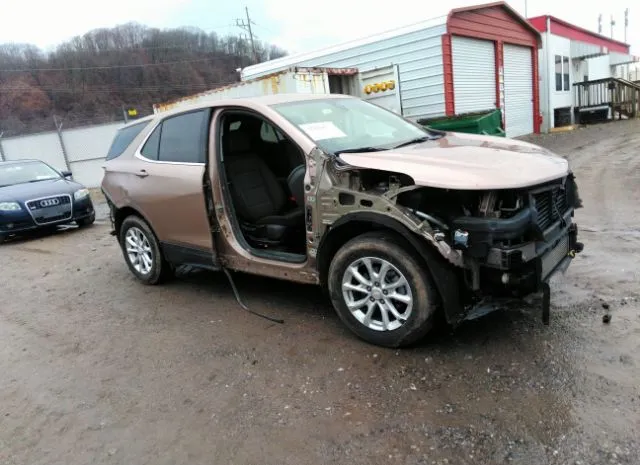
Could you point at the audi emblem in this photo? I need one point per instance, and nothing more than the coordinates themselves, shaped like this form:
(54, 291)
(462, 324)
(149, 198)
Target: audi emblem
(49, 202)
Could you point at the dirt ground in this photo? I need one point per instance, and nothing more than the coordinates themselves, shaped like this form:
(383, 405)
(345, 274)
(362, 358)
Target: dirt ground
(96, 368)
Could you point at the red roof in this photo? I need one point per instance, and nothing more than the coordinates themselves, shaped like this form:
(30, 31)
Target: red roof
(570, 31)
(501, 4)
(493, 21)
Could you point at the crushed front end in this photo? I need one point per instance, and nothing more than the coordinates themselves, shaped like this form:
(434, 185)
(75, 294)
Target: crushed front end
(511, 241)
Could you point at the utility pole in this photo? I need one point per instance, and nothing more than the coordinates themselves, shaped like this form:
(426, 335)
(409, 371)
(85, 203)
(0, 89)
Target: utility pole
(613, 23)
(626, 24)
(247, 27)
(600, 23)
(1, 151)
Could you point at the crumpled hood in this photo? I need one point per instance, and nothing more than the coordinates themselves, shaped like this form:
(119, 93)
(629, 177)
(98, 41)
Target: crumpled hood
(467, 162)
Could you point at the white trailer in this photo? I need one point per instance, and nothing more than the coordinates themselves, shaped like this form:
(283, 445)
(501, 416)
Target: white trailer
(378, 85)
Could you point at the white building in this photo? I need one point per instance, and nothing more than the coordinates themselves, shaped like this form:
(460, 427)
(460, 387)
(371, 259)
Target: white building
(475, 59)
(569, 55)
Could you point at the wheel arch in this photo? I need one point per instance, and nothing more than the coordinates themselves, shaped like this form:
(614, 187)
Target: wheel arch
(444, 275)
(120, 214)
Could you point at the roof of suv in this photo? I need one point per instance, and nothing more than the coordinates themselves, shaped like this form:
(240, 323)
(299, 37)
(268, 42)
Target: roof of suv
(262, 100)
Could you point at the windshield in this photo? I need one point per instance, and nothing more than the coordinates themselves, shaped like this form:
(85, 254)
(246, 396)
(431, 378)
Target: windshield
(19, 173)
(339, 125)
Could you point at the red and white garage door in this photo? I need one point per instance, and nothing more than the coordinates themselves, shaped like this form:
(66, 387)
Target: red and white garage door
(474, 74)
(518, 90)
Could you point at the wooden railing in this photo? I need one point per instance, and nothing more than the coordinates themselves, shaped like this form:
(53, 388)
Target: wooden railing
(619, 95)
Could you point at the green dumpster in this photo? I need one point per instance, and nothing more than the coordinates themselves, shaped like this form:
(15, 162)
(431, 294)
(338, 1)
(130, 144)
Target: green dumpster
(487, 123)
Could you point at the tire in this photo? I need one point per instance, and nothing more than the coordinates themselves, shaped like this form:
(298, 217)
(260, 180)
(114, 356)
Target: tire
(415, 313)
(136, 233)
(84, 222)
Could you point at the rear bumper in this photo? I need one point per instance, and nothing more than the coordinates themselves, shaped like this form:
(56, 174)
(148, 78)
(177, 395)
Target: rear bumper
(22, 221)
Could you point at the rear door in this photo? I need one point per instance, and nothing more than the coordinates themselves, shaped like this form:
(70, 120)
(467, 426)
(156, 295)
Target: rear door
(382, 87)
(169, 191)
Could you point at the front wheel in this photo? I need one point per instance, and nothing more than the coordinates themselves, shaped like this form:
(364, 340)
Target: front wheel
(142, 252)
(381, 292)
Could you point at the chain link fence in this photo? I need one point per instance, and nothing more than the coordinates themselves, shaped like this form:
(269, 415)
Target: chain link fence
(73, 143)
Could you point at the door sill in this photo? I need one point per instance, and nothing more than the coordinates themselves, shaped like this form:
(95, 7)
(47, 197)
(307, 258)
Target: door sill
(179, 254)
(286, 257)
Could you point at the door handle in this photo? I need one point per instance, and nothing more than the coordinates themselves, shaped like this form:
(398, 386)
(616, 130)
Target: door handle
(142, 174)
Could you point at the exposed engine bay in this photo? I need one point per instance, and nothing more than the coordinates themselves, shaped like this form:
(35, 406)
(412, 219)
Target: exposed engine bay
(506, 243)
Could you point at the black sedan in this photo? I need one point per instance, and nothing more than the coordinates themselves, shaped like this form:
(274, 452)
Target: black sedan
(33, 196)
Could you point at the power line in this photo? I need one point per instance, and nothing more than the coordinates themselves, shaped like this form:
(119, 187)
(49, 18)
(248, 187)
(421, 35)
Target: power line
(83, 68)
(99, 49)
(109, 89)
(266, 29)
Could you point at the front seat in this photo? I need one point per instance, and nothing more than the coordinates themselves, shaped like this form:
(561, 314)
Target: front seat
(261, 203)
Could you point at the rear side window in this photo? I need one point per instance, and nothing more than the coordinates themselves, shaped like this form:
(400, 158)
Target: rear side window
(183, 138)
(179, 139)
(152, 145)
(123, 139)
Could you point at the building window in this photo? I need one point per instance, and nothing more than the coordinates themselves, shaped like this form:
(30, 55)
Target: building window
(562, 73)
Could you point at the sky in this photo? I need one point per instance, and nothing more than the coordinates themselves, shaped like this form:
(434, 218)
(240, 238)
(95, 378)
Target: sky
(293, 25)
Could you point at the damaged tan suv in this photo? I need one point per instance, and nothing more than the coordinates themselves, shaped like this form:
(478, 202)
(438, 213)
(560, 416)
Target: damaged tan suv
(398, 222)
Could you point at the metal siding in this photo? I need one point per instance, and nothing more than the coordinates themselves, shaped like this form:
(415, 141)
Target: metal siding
(89, 143)
(474, 74)
(599, 68)
(45, 147)
(419, 58)
(622, 58)
(518, 88)
(569, 31)
(583, 50)
(262, 69)
(310, 82)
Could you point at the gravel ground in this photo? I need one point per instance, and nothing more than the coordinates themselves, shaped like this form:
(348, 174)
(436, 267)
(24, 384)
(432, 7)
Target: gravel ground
(96, 368)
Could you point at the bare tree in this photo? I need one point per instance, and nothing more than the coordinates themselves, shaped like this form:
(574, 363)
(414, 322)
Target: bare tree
(90, 77)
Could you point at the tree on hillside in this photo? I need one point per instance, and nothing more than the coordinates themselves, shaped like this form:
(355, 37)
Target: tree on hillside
(90, 78)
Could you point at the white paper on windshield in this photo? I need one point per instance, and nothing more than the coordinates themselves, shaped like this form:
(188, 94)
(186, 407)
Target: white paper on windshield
(322, 130)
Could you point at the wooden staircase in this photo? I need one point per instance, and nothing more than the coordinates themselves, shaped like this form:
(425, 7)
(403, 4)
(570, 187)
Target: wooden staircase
(606, 99)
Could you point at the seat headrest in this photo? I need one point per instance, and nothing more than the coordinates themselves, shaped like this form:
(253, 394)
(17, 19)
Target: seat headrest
(238, 141)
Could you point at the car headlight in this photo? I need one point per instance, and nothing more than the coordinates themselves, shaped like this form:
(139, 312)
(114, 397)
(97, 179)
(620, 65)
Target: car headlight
(81, 194)
(9, 206)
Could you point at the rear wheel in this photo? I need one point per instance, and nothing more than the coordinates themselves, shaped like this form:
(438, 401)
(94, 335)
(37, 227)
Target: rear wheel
(142, 252)
(381, 292)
